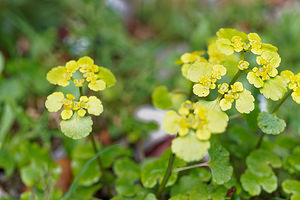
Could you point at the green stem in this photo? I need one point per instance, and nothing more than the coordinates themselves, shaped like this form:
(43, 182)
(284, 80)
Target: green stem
(260, 141)
(191, 167)
(282, 101)
(166, 176)
(100, 165)
(274, 112)
(92, 137)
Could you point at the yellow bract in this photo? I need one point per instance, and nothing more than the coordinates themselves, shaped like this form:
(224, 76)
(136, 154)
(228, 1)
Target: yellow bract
(59, 76)
(255, 42)
(54, 101)
(244, 99)
(199, 117)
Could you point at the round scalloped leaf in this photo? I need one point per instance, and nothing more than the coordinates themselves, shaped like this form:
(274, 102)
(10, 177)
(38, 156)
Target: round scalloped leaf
(259, 162)
(219, 164)
(270, 123)
(77, 127)
(274, 88)
(190, 148)
(107, 76)
(252, 183)
(161, 98)
(292, 187)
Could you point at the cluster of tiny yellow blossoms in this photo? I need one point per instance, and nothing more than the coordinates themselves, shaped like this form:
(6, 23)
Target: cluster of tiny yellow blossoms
(227, 54)
(63, 75)
(243, 97)
(197, 118)
(294, 84)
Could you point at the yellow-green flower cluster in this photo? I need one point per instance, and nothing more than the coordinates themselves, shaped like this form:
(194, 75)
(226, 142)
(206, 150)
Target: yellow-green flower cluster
(90, 74)
(243, 97)
(57, 100)
(62, 75)
(294, 84)
(268, 61)
(202, 118)
(232, 40)
(204, 75)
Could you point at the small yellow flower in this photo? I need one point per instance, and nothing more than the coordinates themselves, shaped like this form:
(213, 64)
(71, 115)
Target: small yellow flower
(89, 70)
(243, 65)
(294, 84)
(78, 82)
(224, 87)
(255, 43)
(244, 99)
(202, 118)
(205, 76)
(237, 43)
(269, 61)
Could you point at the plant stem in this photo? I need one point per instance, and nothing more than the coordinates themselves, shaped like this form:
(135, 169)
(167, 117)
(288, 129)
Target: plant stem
(190, 167)
(282, 101)
(166, 176)
(100, 164)
(260, 141)
(274, 112)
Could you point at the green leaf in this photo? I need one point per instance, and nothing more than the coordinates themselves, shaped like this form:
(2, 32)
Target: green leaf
(274, 88)
(128, 169)
(270, 123)
(7, 162)
(259, 162)
(85, 193)
(252, 183)
(219, 164)
(77, 127)
(292, 187)
(239, 136)
(1, 63)
(7, 119)
(83, 169)
(161, 98)
(107, 76)
(190, 148)
(80, 155)
(154, 170)
(190, 188)
(128, 173)
(294, 159)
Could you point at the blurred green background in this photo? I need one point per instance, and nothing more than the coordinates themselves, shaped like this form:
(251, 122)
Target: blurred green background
(138, 40)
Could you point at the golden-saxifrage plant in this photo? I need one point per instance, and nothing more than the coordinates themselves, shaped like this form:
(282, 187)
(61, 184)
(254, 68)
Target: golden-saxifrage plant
(195, 122)
(76, 122)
